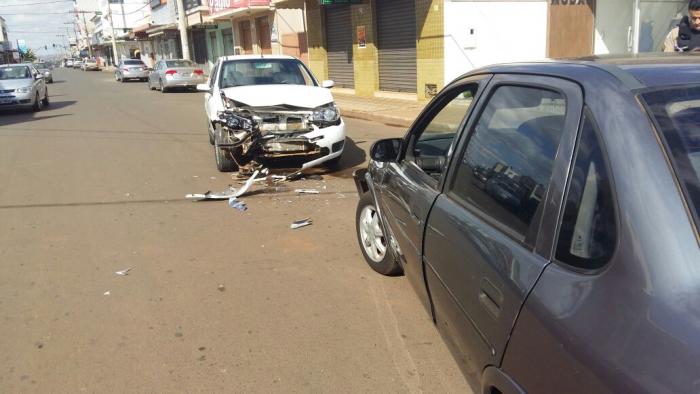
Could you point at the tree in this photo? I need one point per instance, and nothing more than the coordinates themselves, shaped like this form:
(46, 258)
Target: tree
(29, 56)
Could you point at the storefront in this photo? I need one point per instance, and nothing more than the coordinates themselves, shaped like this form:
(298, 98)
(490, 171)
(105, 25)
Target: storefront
(219, 41)
(338, 28)
(245, 27)
(396, 45)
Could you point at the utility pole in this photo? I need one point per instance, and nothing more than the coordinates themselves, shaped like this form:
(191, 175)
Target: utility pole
(114, 39)
(87, 34)
(182, 25)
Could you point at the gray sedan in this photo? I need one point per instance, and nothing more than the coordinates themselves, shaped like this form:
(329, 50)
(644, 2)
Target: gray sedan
(22, 86)
(45, 69)
(131, 69)
(548, 216)
(175, 73)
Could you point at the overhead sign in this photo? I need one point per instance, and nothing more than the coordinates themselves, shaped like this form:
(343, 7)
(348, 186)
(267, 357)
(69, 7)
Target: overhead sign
(224, 5)
(22, 46)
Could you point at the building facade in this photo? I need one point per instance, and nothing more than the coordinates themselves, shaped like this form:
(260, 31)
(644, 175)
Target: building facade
(5, 44)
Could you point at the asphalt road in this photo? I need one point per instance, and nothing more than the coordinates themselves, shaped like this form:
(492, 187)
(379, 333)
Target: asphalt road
(217, 300)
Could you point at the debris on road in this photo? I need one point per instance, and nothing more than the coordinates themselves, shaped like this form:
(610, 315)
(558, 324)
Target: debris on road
(222, 195)
(250, 181)
(306, 191)
(124, 272)
(233, 202)
(221, 288)
(301, 223)
(106, 293)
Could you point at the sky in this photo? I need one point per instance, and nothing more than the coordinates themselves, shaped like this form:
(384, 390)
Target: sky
(38, 22)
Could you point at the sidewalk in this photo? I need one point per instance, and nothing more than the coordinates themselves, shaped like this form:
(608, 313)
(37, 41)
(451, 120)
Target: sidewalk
(390, 111)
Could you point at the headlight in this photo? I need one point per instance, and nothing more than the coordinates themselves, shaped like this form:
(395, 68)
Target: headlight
(24, 89)
(47, 73)
(326, 115)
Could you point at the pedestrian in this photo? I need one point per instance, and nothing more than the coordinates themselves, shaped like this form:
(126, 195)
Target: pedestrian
(686, 36)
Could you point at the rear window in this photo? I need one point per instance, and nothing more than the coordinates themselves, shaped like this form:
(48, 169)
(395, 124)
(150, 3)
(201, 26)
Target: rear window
(178, 63)
(677, 115)
(133, 62)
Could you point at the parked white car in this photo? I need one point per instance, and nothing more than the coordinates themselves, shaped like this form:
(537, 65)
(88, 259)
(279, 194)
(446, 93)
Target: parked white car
(271, 107)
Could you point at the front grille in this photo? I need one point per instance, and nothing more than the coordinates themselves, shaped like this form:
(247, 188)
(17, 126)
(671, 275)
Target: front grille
(7, 91)
(337, 146)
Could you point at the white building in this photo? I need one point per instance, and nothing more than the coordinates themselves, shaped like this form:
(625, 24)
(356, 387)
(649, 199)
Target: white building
(120, 18)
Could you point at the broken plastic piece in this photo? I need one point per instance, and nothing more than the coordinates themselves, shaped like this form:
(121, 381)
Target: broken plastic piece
(306, 191)
(233, 202)
(124, 272)
(301, 223)
(106, 293)
(249, 182)
(222, 195)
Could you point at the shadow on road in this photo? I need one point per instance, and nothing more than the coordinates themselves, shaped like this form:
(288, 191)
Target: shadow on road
(9, 116)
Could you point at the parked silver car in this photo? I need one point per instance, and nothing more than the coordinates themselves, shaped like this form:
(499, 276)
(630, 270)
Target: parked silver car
(175, 73)
(90, 64)
(45, 69)
(131, 69)
(22, 86)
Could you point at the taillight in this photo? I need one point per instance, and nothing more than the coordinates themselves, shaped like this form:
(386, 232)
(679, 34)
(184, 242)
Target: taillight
(198, 72)
(170, 72)
(125, 69)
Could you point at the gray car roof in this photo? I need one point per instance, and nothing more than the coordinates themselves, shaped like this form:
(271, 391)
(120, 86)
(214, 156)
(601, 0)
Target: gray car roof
(634, 71)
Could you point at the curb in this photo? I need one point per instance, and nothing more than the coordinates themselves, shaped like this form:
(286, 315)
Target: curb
(388, 120)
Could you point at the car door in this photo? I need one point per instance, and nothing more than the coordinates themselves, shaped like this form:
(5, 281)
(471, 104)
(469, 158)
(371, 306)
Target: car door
(209, 106)
(410, 185)
(38, 83)
(482, 233)
(154, 74)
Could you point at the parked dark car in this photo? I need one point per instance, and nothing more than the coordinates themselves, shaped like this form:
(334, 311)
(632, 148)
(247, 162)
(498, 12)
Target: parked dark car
(555, 242)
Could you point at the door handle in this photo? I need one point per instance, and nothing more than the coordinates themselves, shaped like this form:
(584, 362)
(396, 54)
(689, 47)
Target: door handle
(490, 298)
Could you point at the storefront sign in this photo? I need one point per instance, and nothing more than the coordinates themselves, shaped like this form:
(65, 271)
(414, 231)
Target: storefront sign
(22, 46)
(224, 5)
(361, 37)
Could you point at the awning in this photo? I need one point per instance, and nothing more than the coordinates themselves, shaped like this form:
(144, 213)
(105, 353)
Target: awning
(161, 29)
(225, 9)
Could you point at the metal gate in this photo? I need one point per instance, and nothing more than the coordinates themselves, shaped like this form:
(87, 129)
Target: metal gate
(396, 41)
(339, 46)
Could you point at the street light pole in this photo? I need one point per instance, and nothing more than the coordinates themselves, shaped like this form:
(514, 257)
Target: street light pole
(182, 26)
(87, 35)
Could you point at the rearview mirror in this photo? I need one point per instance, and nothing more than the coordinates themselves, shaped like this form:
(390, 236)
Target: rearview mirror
(386, 150)
(203, 87)
(327, 84)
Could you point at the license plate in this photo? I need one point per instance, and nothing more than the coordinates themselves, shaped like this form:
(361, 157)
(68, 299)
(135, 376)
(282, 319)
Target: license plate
(6, 100)
(136, 69)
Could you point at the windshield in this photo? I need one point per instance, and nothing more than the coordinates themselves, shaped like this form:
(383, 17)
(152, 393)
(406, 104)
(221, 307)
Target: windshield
(264, 72)
(677, 114)
(41, 66)
(15, 72)
(133, 62)
(178, 63)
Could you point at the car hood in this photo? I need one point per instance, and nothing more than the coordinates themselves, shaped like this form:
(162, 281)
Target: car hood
(43, 70)
(7, 84)
(273, 95)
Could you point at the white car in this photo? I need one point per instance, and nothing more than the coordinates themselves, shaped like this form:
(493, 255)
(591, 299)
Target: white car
(266, 108)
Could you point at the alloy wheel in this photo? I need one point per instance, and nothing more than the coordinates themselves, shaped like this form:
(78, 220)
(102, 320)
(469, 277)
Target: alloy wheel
(371, 234)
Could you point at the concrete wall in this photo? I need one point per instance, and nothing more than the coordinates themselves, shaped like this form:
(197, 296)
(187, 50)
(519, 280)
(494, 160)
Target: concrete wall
(290, 27)
(479, 33)
(366, 66)
(318, 60)
(430, 47)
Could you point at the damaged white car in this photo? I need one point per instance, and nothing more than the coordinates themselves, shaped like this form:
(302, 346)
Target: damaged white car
(262, 109)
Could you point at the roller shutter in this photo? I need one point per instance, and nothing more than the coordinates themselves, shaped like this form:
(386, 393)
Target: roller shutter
(396, 40)
(339, 45)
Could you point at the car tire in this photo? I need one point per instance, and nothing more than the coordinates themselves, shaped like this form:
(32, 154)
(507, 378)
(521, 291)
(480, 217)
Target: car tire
(38, 105)
(116, 77)
(224, 162)
(163, 89)
(210, 131)
(45, 100)
(374, 244)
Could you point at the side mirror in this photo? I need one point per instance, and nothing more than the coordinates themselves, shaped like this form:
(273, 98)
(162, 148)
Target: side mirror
(327, 84)
(38, 76)
(386, 150)
(203, 87)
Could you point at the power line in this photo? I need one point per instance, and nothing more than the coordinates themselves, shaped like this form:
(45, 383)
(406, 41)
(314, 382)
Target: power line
(39, 3)
(37, 13)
